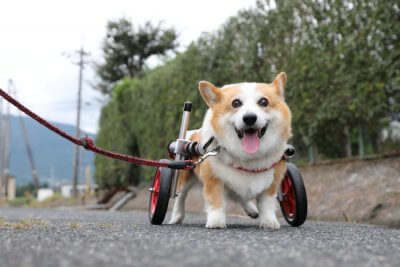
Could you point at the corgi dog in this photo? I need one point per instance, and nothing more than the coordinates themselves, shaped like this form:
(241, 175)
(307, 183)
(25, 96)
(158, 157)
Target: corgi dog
(251, 123)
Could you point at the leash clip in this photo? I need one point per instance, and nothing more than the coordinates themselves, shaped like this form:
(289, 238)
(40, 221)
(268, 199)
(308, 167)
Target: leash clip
(211, 153)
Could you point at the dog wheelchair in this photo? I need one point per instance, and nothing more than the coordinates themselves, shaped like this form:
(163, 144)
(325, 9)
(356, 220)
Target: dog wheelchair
(292, 195)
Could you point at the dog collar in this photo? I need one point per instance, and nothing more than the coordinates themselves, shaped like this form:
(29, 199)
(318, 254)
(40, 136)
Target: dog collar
(260, 169)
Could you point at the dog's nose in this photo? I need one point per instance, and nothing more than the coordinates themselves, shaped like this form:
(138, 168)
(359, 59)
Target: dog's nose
(250, 118)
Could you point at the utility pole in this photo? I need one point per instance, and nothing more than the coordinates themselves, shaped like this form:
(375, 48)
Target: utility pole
(2, 192)
(5, 149)
(35, 176)
(81, 65)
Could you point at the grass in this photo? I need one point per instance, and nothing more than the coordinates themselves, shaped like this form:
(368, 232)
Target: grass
(2, 222)
(74, 225)
(18, 202)
(78, 225)
(48, 202)
(26, 223)
(54, 201)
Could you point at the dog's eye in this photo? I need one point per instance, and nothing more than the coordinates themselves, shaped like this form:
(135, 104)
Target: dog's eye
(236, 103)
(263, 102)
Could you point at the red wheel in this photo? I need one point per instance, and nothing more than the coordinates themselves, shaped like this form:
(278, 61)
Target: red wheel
(293, 196)
(288, 202)
(155, 191)
(159, 195)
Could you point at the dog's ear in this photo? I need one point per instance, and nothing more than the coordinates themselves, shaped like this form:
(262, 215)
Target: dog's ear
(279, 84)
(210, 93)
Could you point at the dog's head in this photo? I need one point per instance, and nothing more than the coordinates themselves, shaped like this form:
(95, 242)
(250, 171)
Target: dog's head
(249, 119)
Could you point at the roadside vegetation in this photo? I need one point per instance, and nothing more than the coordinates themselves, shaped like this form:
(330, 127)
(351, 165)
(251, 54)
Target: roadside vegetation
(342, 59)
(29, 201)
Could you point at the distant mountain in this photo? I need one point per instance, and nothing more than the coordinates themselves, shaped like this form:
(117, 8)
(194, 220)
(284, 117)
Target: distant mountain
(53, 155)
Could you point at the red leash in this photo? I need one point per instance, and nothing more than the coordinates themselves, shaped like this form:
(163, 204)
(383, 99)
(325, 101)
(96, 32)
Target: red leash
(88, 143)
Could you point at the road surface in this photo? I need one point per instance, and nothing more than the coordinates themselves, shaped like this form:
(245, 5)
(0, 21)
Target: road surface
(47, 237)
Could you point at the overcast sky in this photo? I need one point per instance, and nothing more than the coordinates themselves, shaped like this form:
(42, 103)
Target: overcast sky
(35, 34)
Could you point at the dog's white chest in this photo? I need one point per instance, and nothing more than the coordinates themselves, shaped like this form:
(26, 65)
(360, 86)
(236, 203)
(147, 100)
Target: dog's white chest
(247, 185)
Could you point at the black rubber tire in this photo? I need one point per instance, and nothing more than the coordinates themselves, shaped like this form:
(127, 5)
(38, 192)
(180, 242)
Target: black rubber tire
(299, 194)
(163, 196)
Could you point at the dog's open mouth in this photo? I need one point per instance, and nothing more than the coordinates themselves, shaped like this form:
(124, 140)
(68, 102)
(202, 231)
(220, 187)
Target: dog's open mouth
(251, 138)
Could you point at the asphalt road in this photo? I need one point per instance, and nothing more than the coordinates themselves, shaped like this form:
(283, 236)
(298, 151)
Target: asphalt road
(32, 237)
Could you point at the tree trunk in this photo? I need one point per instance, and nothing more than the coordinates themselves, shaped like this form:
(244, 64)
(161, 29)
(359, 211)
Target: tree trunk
(360, 142)
(349, 151)
(311, 154)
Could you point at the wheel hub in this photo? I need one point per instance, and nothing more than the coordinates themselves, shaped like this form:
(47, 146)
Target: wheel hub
(288, 198)
(155, 191)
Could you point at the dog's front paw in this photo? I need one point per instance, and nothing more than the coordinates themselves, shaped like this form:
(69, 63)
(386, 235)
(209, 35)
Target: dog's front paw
(216, 219)
(270, 222)
(215, 224)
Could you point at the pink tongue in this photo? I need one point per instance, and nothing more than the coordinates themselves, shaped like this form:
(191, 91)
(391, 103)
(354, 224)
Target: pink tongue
(250, 142)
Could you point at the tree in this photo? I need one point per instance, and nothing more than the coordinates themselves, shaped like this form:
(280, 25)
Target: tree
(126, 49)
(341, 57)
(116, 134)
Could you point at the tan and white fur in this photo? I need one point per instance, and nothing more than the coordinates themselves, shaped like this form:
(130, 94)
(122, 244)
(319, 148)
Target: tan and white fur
(225, 120)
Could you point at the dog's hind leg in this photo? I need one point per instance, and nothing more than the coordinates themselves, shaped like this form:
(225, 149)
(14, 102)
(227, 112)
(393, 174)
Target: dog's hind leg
(185, 182)
(248, 205)
(267, 202)
(250, 209)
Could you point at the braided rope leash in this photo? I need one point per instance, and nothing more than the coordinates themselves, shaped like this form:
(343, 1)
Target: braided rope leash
(88, 143)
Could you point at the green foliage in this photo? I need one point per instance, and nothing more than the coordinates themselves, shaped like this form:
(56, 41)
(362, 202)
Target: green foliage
(126, 49)
(116, 134)
(18, 202)
(342, 61)
(29, 188)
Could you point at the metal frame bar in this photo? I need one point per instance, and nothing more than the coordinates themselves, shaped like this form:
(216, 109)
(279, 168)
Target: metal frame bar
(179, 149)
